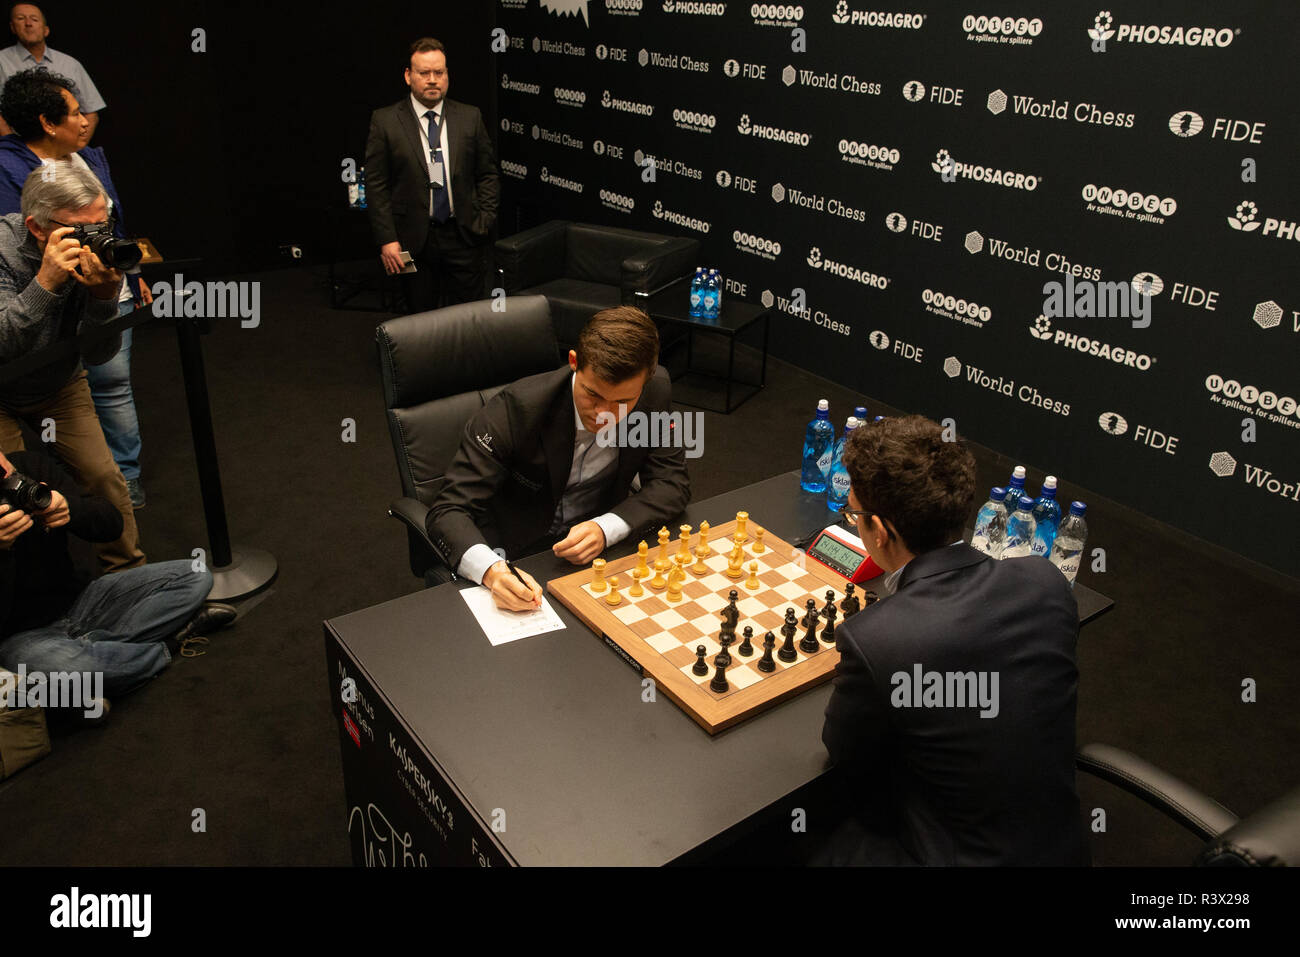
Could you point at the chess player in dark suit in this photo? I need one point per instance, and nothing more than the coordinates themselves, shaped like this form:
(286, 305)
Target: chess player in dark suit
(446, 231)
(989, 783)
(531, 473)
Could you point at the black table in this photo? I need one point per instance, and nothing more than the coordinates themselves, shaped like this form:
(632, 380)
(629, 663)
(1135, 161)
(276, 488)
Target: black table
(671, 306)
(549, 738)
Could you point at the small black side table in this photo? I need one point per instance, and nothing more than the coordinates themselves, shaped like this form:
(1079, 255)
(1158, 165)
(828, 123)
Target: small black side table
(671, 305)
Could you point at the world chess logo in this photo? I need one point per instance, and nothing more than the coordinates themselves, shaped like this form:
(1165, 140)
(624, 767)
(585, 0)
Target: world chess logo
(778, 193)
(841, 14)
(879, 340)
(638, 158)
(974, 242)
(743, 126)
(723, 178)
(606, 99)
(731, 68)
(602, 51)
(598, 148)
(537, 45)
(997, 102)
(1112, 423)
(1267, 315)
(1223, 464)
(815, 258)
(943, 163)
(1246, 219)
(1042, 328)
(1186, 124)
(952, 367)
(767, 299)
(1101, 30)
(643, 57)
(896, 222)
(788, 76)
(914, 91)
(536, 132)
(1148, 284)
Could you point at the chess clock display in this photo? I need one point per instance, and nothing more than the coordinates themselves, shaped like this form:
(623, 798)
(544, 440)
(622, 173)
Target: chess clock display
(843, 553)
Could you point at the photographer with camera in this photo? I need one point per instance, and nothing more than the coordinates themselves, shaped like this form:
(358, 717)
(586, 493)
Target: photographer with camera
(127, 627)
(49, 127)
(52, 288)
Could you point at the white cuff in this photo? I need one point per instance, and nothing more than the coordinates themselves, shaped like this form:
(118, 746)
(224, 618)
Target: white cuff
(615, 528)
(476, 561)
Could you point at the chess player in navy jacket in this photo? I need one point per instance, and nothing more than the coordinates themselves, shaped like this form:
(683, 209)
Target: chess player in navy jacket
(946, 785)
(530, 473)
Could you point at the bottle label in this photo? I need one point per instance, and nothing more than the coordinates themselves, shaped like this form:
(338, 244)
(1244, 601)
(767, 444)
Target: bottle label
(1039, 547)
(840, 483)
(1069, 566)
(1017, 548)
(824, 463)
(695, 299)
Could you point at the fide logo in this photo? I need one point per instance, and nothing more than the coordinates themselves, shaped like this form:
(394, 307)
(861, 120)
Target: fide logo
(841, 14)
(1148, 284)
(914, 91)
(1223, 464)
(731, 68)
(879, 340)
(1247, 218)
(598, 148)
(896, 222)
(602, 51)
(1186, 124)
(1042, 328)
(1112, 423)
(723, 178)
(505, 125)
(815, 258)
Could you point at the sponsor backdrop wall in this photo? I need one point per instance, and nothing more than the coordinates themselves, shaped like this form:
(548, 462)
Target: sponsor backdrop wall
(901, 183)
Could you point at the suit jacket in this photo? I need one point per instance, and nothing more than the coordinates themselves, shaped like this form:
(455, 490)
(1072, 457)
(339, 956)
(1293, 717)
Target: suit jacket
(946, 785)
(397, 175)
(511, 470)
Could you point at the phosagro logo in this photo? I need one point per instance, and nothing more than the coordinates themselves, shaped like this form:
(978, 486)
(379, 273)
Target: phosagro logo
(875, 18)
(695, 8)
(1103, 29)
(550, 179)
(1042, 330)
(868, 154)
(1247, 221)
(1279, 409)
(617, 201)
(611, 102)
(774, 133)
(756, 245)
(515, 86)
(1186, 123)
(785, 15)
(1112, 423)
(1018, 31)
(951, 169)
(679, 219)
(1129, 204)
(866, 278)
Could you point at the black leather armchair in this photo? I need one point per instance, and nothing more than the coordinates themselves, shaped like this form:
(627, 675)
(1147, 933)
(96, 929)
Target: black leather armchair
(1268, 838)
(583, 268)
(439, 368)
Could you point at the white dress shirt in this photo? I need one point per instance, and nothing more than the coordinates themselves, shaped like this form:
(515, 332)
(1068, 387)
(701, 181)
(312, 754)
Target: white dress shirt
(423, 124)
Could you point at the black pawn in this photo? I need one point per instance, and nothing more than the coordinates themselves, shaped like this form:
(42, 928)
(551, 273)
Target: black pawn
(767, 664)
(787, 652)
(746, 648)
(830, 603)
(723, 658)
(810, 612)
(808, 643)
(719, 682)
(790, 625)
(828, 633)
(701, 667)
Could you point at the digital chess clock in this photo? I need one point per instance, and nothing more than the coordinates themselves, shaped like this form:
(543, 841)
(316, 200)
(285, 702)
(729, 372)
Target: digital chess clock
(843, 553)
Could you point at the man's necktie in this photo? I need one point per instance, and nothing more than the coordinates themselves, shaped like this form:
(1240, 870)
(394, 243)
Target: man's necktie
(441, 204)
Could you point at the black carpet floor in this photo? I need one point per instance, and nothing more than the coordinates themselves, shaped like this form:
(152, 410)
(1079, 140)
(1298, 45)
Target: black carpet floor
(246, 732)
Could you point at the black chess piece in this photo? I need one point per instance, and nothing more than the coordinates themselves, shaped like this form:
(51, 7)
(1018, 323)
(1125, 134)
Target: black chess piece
(790, 625)
(850, 605)
(830, 603)
(719, 682)
(730, 616)
(746, 647)
(828, 633)
(767, 664)
(701, 668)
(871, 597)
(787, 652)
(723, 657)
(808, 643)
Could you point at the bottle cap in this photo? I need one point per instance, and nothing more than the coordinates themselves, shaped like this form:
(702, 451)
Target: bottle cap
(1026, 503)
(861, 413)
(1078, 508)
(823, 405)
(998, 494)
(1019, 473)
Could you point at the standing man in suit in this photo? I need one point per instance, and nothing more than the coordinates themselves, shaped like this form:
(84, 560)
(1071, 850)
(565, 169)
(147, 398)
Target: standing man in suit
(934, 776)
(533, 473)
(431, 185)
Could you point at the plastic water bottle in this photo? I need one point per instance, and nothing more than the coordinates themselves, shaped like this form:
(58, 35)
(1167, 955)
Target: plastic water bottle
(1020, 530)
(361, 188)
(1047, 516)
(697, 293)
(1067, 549)
(818, 442)
(991, 525)
(1015, 488)
(712, 290)
(837, 489)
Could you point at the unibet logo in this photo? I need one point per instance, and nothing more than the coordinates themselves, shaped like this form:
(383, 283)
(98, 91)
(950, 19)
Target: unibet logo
(625, 8)
(815, 258)
(1042, 328)
(1222, 464)
(617, 201)
(567, 97)
(757, 245)
(896, 222)
(1113, 423)
(914, 91)
(952, 366)
(879, 340)
(997, 102)
(517, 170)
(1133, 200)
(1148, 284)
(1186, 124)
(776, 14)
(1268, 315)
(971, 313)
(1006, 26)
(1247, 398)
(974, 242)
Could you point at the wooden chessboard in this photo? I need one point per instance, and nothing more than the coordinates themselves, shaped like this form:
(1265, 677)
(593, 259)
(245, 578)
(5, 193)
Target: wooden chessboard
(661, 637)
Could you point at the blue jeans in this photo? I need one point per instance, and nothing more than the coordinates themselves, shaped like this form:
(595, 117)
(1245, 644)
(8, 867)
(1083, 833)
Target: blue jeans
(116, 626)
(110, 388)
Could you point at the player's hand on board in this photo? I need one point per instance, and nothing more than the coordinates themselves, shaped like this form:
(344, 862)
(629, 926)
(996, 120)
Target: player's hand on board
(583, 544)
(507, 591)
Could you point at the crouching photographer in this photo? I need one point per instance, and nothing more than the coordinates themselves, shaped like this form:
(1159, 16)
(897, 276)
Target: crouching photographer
(53, 287)
(127, 627)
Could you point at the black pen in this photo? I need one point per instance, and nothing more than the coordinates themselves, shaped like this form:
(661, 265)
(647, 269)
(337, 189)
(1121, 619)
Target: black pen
(514, 571)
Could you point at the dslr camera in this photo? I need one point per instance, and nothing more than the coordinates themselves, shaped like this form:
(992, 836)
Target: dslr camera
(114, 253)
(25, 494)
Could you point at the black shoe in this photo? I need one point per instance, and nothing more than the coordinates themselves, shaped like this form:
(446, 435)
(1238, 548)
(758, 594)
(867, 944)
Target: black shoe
(136, 492)
(213, 616)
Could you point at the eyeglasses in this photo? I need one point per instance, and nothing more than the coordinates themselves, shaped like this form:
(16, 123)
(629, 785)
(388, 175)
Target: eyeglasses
(851, 515)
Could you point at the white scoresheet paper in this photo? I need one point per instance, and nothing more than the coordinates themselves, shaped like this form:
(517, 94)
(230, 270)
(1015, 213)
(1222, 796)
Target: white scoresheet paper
(503, 626)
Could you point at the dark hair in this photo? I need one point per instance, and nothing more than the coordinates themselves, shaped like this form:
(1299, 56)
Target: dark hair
(31, 94)
(619, 343)
(426, 45)
(902, 469)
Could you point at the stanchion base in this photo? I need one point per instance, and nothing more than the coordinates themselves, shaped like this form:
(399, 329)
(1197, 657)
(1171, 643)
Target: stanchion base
(250, 570)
